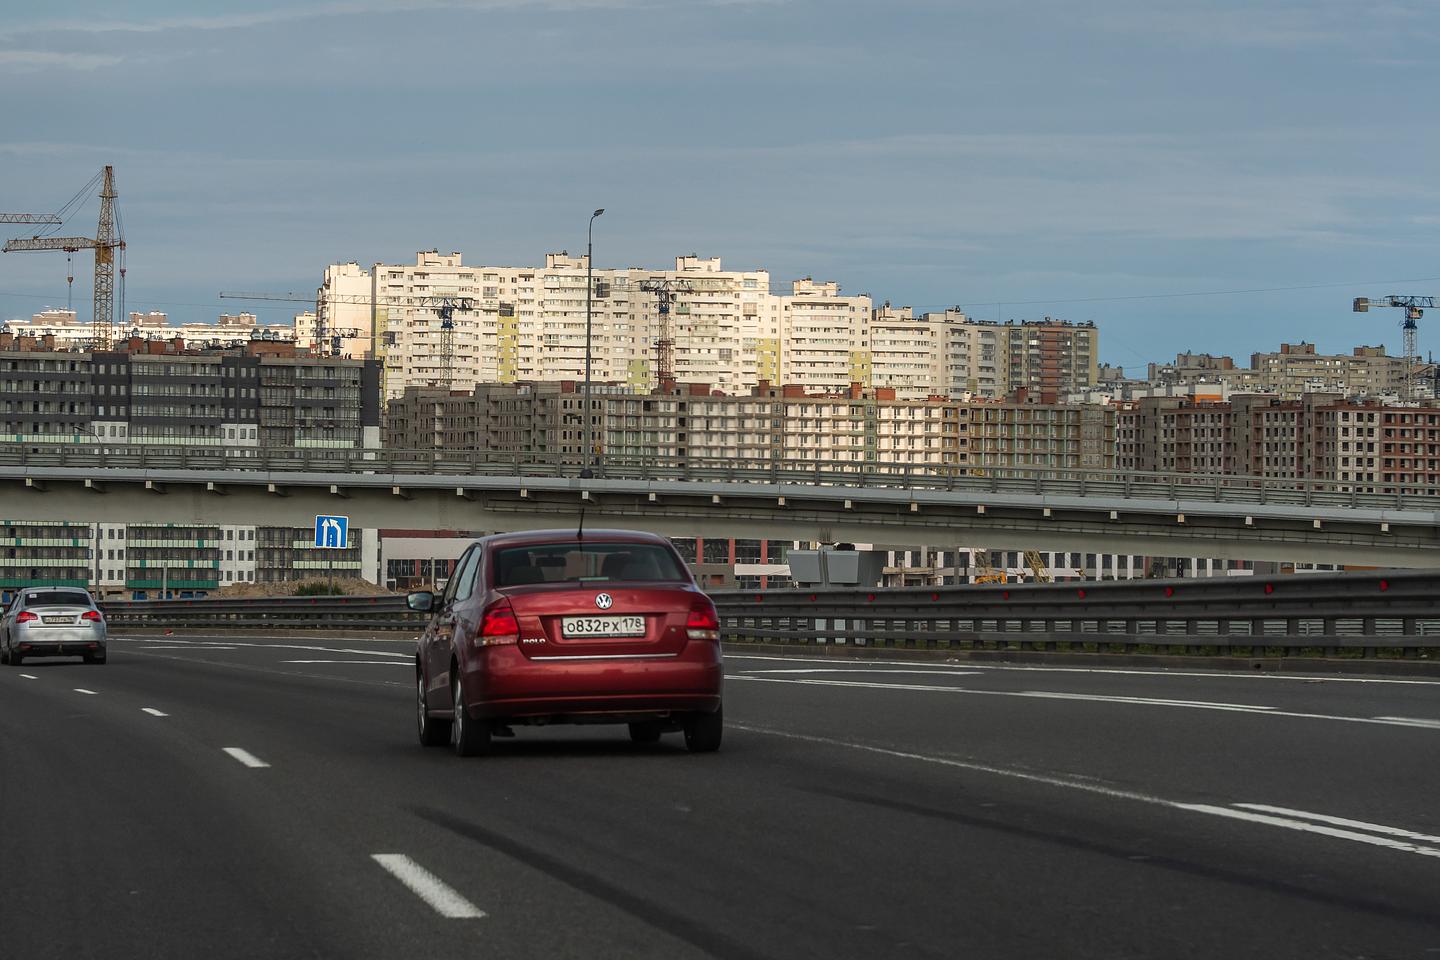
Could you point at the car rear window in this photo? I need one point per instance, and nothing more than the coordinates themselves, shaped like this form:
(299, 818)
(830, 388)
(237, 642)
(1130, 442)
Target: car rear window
(585, 562)
(57, 598)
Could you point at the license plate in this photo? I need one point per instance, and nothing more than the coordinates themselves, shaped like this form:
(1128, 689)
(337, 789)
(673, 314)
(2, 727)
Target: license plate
(57, 619)
(632, 626)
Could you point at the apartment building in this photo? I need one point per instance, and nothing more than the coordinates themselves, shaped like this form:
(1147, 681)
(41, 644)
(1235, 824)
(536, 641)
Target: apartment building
(1049, 358)
(441, 324)
(1297, 369)
(769, 425)
(66, 332)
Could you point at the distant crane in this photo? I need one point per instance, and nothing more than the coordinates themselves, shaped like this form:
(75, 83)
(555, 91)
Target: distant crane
(107, 240)
(665, 290)
(444, 307)
(1414, 308)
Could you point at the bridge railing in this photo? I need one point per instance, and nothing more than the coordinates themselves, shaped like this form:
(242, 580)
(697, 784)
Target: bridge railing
(1383, 614)
(1049, 481)
(1353, 614)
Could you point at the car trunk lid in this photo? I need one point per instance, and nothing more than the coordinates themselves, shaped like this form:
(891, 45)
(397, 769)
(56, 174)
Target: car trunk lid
(601, 620)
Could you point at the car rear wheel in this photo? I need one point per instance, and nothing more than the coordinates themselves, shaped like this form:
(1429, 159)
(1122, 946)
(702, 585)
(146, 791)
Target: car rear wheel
(704, 730)
(4, 652)
(470, 738)
(645, 731)
(433, 733)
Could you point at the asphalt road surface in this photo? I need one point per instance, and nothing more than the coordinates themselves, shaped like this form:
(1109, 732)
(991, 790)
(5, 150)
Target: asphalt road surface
(255, 798)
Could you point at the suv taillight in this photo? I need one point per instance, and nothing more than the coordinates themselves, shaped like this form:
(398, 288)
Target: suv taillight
(702, 624)
(92, 615)
(498, 627)
(25, 616)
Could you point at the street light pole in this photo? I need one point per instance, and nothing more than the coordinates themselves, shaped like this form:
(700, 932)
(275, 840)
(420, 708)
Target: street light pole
(589, 293)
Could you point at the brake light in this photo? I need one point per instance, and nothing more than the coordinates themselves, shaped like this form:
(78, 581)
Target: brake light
(92, 615)
(25, 616)
(498, 627)
(702, 624)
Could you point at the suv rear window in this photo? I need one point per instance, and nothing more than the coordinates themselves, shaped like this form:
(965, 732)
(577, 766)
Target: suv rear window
(57, 598)
(585, 562)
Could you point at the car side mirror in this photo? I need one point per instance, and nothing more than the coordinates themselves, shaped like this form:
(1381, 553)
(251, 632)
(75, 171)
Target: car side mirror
(423, 601)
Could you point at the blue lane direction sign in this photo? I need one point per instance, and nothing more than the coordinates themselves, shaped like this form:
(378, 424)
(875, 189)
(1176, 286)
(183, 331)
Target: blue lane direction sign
(332, 533)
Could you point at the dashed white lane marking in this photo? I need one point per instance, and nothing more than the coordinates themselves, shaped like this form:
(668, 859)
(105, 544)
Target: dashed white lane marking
(153, 712)
(1016, 668)
(384, 663)
(1236, 812)
(246, 757)
(88, 693)
(441, 897)
(1250, 708)
(29, 676)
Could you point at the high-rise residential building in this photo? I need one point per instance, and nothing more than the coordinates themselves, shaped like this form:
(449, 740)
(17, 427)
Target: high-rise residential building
(1050, 358)
(440, 324)
(866, 427)
(68, 333)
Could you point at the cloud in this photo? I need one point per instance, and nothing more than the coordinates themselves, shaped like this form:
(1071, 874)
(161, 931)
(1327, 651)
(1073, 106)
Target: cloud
(335, 8)
(52, 59)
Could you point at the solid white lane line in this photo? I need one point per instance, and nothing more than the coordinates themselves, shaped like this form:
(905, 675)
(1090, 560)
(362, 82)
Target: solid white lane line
(1255, 709)
(89, 693)
(153, 712)
(187, 647)
(383, 663)
(1412, 722)
(237, 644)
(1341, 822)
(1016, 668)
(29, 676)
(441, 897)
(1158, 701)
(1288, 824)
(883, 673)
(1096, 789)
(246, 757)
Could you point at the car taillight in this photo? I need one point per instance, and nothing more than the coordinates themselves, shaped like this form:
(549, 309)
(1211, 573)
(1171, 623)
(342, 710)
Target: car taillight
(702, 624)
(498, 627)
(25, 616)
(92, 615)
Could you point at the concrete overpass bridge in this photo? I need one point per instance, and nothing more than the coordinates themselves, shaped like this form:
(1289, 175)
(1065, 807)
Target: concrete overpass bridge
(1092, 511)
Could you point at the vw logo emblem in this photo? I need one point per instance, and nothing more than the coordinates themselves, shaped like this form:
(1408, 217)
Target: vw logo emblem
(604, 601)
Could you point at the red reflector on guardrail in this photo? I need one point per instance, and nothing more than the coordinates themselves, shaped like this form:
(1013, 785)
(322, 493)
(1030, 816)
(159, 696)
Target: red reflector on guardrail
(934, 597)
(1005, 595)
(1269, 588)
(870, 597)
(1169, 591)
(1384, 584)
(1080, 594)
(759, 598)
(812, 598)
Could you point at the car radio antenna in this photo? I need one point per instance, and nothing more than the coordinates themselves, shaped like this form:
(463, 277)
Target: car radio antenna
(580, 530)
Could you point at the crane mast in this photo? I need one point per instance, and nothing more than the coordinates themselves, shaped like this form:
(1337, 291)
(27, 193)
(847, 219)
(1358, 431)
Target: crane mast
(1414, 308)
(106, 241)
(665, 290)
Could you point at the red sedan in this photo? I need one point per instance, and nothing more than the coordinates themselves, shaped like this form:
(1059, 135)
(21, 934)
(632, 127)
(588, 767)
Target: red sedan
(560, 626)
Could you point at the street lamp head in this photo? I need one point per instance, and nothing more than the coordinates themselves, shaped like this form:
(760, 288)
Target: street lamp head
(597, 213)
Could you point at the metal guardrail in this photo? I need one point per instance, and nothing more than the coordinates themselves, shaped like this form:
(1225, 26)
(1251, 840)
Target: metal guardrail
(1053, 481)
(1383, 614)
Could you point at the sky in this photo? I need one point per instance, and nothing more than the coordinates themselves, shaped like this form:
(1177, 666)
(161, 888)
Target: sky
(1210, 175)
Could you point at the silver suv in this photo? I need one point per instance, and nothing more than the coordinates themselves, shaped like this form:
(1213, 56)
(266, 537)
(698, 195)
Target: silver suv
(52, 622)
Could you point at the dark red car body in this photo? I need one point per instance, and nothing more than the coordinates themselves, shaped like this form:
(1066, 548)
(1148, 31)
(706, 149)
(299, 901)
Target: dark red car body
(501, 648)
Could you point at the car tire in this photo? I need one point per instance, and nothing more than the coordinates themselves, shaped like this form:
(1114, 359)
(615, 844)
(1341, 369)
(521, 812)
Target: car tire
(4, 652)
(468, 736)
(433, 733)
(646, 731)
(703, 731)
